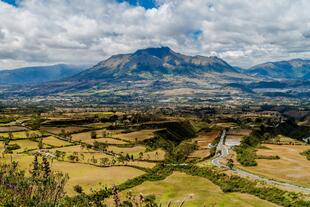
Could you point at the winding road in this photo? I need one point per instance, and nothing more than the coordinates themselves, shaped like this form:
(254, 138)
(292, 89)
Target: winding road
(222, 151)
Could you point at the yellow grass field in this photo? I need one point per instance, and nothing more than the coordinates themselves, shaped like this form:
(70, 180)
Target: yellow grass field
(280, 139)
(75, 148)
(55, 142)
(84, 155)
(291, 167)
(105, 140)
(98, 125)
(194, 191)
(24, 160)
(92, 177)
(234, 136)
(224, 125)
(158, 154)
(130, 150)
(206, 138)
(239, 132)
(84, 136)
(25, 145)
(142, 164)
(87, 176)
(57, 130)
(22, 134)
(203, 140)
(138, 135)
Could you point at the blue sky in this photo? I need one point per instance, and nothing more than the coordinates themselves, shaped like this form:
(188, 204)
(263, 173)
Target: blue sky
(12, 2)
(242, 32)
(148, 4)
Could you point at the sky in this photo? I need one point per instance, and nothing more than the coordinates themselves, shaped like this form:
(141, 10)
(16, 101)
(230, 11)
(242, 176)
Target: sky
(242, 32)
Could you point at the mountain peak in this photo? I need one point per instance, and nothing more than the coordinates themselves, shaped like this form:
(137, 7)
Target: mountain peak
(155, 51)
(155, 63)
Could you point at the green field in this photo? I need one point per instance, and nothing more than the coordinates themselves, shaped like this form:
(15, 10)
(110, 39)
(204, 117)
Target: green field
(194, 191)
(22, 134)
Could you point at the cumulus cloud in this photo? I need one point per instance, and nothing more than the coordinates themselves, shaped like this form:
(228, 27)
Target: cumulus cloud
(243, 32)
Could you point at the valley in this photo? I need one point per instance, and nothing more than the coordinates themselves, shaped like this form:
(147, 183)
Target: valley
(176, 157)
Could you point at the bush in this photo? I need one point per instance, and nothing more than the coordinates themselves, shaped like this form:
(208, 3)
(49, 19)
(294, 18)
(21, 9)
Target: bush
(12, 147)
(306, 153)
(78, 189)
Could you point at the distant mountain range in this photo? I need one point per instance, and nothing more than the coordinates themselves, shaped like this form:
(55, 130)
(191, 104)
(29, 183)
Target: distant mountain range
(39, 74)
(291, 69)
(158, 73)
(155, 63)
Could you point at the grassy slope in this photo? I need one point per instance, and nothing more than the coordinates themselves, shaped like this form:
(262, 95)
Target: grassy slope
(195, 191)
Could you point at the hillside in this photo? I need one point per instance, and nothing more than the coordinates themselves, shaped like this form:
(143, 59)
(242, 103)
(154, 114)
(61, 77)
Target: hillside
(38, 74)
(153, 63)
(291, 69)
(162, 75)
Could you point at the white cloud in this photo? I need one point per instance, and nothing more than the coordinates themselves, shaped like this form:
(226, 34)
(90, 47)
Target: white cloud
(243, 32)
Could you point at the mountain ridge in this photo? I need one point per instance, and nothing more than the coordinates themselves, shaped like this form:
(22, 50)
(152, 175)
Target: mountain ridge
(154, 63)
(285, 69)
(39, 74)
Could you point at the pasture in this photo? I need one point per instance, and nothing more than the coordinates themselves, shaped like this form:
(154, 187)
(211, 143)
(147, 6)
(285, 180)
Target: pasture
(22, 134)
(292, 167)
(137, 136)
(104, 140)
(88, 176)
(55, 142)
(59, 130)
(202, 141)
(193, 191)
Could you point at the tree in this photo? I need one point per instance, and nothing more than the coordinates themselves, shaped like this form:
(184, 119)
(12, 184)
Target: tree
(93, 160)
(17, 189)
(127, 157)
(230, 163)
(35, 169)
(104, 161)
(40, 143)
(116, 199)
(35, 122)
(93, 134)
(10, 135)
(82, 156)
(69, 137)
(58, 154)
(78, 189)
(73, 158)
(104, 133)
(27, 134)
(63, 133)
(46, 168)
(156, 155)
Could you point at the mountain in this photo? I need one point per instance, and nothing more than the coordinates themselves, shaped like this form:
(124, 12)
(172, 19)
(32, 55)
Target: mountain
(154, 63)
(162, 75)
(38, 74)
(291, 69)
